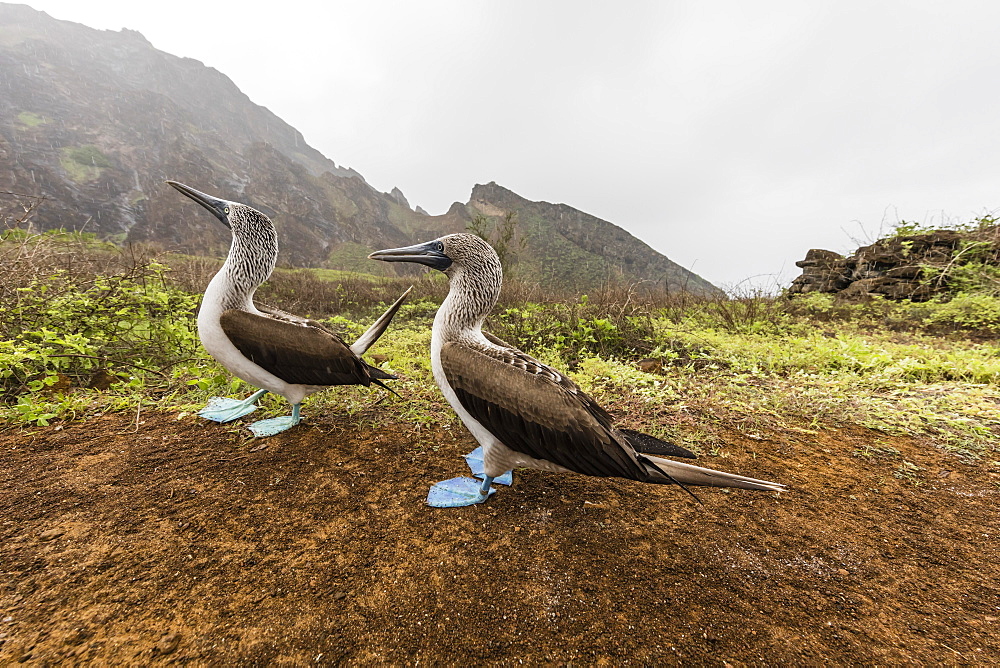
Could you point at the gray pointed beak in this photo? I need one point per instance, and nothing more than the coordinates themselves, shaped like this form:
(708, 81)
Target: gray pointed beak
(218, 207)
(430, 253)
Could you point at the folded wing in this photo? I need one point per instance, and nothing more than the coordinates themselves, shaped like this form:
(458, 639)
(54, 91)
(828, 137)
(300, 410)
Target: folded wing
(535, 410)
(296, 349)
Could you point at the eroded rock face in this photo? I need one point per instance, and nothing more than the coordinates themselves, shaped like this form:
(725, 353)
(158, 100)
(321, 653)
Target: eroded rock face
(891, 267)
(822, 271)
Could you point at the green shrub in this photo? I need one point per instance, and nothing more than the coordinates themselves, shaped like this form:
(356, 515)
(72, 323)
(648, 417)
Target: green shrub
(976, 276)
(574, 329)
(64, 327)
(968, 311)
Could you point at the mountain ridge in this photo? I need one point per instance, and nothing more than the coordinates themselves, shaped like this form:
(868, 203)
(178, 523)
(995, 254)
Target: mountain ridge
(96, 120)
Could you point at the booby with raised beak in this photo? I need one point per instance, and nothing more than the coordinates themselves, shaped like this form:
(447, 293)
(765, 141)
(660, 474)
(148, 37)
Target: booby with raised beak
(273, 350)
(524, 413)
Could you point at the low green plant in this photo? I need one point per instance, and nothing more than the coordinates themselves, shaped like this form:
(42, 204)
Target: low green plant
(976, 311)
(907, 228)
(60, 328)
(908, 471)
(575, 329)
(877, 452)
(976, 277)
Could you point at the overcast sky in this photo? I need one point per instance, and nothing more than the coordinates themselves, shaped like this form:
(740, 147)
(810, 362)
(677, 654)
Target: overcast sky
(731, 136)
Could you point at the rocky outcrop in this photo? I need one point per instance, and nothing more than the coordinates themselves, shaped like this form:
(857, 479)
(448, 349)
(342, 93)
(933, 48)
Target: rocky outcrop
(894, 267)
(399, 198)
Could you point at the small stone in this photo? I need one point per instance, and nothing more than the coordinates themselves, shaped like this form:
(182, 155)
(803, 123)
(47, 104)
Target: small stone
(167, 645)
(77, 637)
(842, 571)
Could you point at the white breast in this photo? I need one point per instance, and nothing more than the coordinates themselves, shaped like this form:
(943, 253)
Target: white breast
(222, 349)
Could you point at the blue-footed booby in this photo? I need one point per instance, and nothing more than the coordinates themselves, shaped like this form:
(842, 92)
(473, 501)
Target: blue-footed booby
(524, 413)
(276, 351)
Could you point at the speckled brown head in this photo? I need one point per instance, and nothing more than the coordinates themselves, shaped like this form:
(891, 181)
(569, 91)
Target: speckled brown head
(452, 254)
(255, 241)
(472, 266)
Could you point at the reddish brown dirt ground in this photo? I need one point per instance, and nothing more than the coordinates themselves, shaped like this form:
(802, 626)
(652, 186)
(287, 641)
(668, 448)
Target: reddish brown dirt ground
(186, 542)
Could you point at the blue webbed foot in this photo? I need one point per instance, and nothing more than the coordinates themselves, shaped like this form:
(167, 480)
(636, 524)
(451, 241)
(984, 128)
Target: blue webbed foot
(475, 461)
(223, 409)
(458, 492)
(273, 426)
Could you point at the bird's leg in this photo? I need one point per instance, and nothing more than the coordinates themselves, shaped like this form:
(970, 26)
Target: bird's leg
(478, 467)
(223, 409)
(484, 491)
(273, 426)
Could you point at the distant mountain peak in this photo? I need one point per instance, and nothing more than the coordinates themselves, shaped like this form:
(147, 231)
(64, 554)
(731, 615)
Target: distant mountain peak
(592, 250)
(398, 196)
(96, 120)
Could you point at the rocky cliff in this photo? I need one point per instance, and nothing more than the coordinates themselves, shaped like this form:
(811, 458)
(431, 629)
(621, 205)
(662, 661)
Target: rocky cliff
(913, 266)
(95, 121)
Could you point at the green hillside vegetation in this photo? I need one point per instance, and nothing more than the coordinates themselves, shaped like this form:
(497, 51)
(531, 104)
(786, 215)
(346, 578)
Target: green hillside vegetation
(86, 328)
(556, 259)
(30, 119)
(83, 163)
(353, 258)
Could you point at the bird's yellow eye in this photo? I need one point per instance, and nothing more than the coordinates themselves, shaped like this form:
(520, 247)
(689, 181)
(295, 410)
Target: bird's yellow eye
(226, 211)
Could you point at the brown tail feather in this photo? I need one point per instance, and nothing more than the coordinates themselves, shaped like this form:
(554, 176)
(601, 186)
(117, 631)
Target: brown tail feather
(688, 474)
(373, 333)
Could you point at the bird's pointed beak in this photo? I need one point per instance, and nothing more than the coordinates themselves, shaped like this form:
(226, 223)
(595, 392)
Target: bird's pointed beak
(430, 253)
(218, 207)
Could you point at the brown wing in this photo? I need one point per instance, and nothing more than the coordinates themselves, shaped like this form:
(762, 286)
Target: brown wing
(535, 410)
(650, 445)
(644, 443)
(296, 350)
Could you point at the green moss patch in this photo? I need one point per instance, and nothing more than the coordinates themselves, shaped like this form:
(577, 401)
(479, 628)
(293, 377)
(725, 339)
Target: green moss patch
(83, 163)
(30, 119)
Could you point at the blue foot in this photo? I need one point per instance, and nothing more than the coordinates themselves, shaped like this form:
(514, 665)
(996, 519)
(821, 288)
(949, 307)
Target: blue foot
(273, 426)
(475, 461)
(457, 492)
(222, 409)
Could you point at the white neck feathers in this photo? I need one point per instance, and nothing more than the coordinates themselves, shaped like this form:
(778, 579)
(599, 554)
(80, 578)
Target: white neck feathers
(471, 297)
